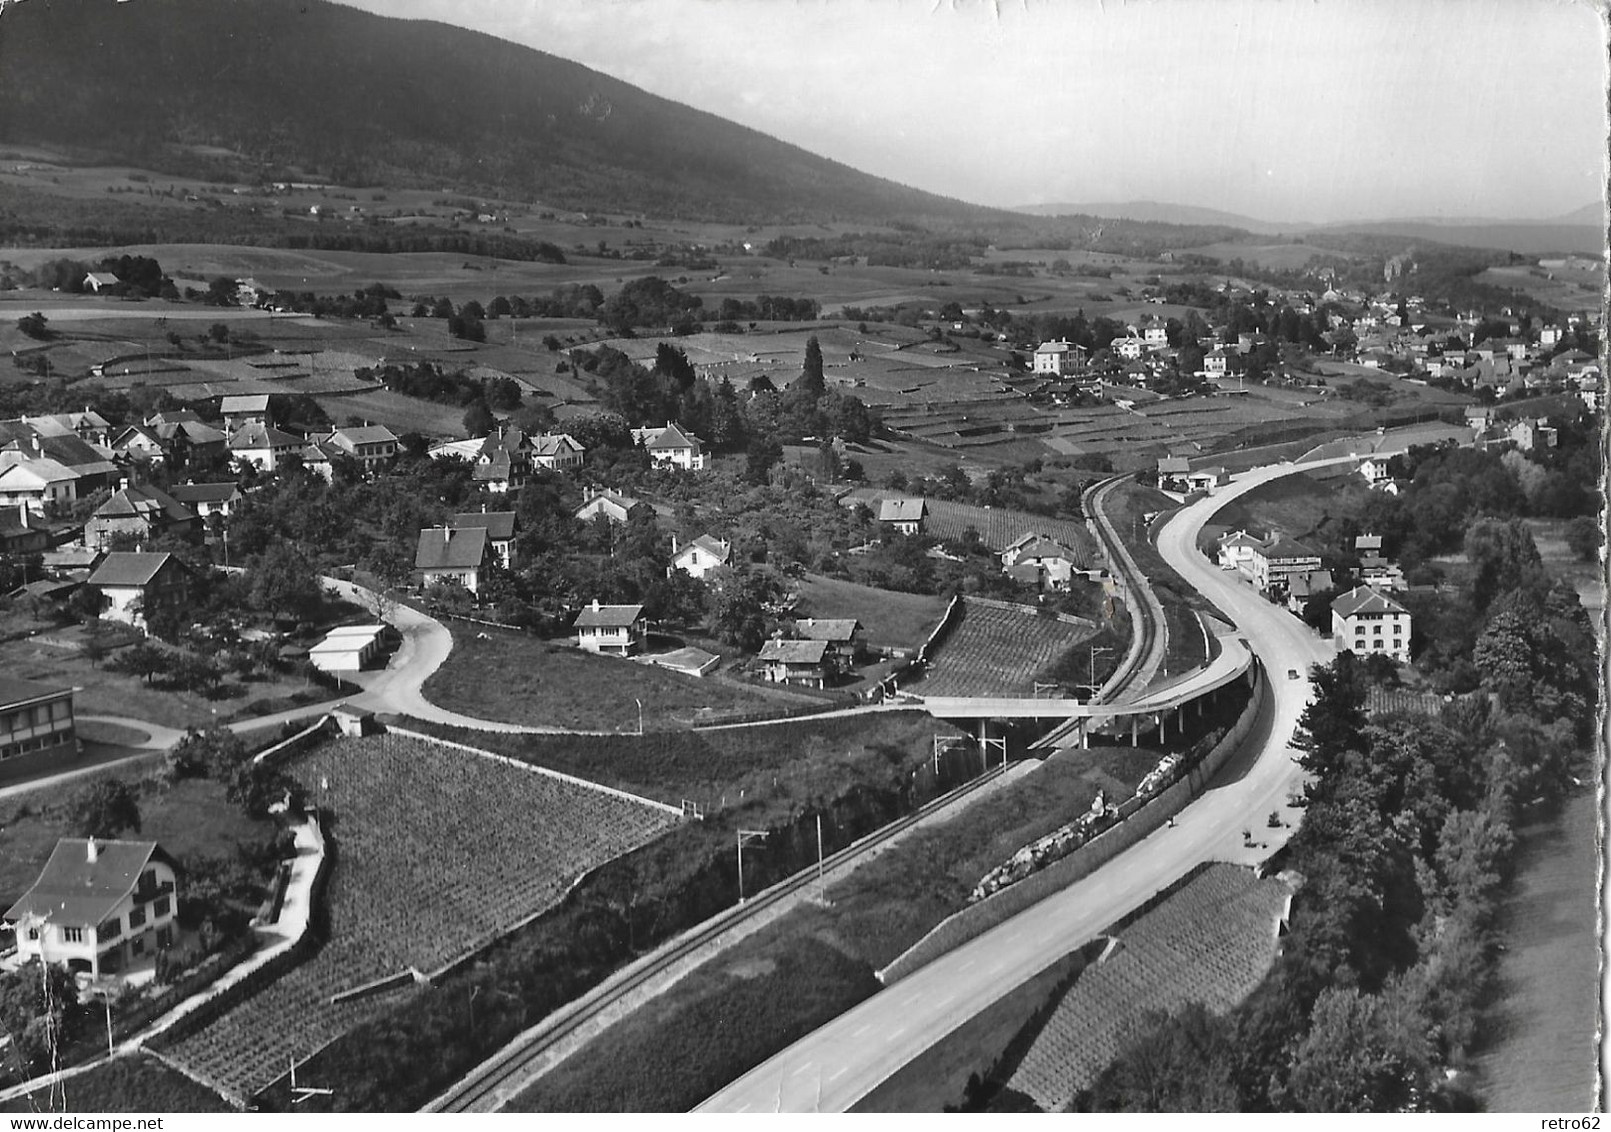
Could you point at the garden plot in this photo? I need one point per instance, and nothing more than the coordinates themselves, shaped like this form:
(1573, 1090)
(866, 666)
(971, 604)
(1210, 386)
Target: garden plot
(1210, 941)
(996, 649)
(438, 851)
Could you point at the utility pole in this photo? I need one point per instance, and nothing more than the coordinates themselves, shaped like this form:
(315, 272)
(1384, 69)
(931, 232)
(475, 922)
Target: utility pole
(1094, 650)
(743, 836)
(822, 883)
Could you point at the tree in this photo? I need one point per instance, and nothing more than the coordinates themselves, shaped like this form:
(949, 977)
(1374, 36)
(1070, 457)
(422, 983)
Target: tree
(39, 1012)
(811, 382)
(35, 325)
(142, 659)
(103, 809)
(478, 420)
(1363, 1053)
(1503, 557)
(283, 582)
(1179, 1062)
(1583, 537)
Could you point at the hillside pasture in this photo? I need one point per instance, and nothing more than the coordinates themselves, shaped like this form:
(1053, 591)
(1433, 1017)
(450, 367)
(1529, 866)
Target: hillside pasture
(892, 620)
(996, 649)
(438, 851)
(1210, 941)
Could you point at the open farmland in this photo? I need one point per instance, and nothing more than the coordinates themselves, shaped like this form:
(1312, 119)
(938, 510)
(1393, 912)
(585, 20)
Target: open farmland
(892, 620)
(438, 851)
(996, 649)
(1209, 941)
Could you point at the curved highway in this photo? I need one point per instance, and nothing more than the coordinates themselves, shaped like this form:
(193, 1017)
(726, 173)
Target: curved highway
(841, 1062)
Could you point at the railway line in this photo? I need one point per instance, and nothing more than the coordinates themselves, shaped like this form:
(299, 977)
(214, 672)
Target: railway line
(1149, 634)
(493, 1083)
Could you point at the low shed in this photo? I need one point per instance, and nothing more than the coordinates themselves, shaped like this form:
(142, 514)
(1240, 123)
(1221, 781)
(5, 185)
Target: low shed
(347, 649)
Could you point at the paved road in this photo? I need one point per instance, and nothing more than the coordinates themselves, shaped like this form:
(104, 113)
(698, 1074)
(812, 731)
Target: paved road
(834, 1067)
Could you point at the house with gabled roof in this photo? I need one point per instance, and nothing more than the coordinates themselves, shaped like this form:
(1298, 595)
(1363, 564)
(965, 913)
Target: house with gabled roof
(1304, 586)
(1207, 479)
(1059, 358)
(557, 450)
(1366, 621)
(448, 554)
(99, 906)
(246, 408)
(143, 512)
(672, 446)
(845, 637)
(263, 447)
(1041, 560)
(135, 585)
(699, 557)
(140, 444)
(902, 514)
(88, 425)
(1280, 558)
(500, 528)
(373, 446)
(38, 483)
(209, 499)
(619, 630)
(1172, 471)
(614, 506)
(795, 662)
(97, 281)
(36, 726)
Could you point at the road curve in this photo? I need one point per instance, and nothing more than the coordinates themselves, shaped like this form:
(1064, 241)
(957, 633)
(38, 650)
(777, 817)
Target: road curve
(841, 1062)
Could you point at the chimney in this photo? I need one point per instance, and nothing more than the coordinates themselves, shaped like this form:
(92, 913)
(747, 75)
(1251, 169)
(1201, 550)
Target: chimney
(22, 515)
(91, 850)
(447, 534)
(674, 544)
(595, 605)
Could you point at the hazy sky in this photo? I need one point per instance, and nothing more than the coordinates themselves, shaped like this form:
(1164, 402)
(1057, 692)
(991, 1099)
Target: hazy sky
(1312, 110)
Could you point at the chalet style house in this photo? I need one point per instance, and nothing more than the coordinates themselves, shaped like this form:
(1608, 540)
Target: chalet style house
(616, 629)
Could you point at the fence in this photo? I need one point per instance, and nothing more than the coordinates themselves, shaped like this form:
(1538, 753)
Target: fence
(1137, 822)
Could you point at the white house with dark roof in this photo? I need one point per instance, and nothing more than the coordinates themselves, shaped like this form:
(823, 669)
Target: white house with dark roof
(905, 515)
(209, 499)
(699, 557)
(1366, 621)
(1279, 559)
(373, 446)
(611, 504)
(672, 446)
(1059, 358)
(616, 629)
(99, 906)
(135, 585)
(97, 281)
(245, 408)
(38, 483)
(143, 512)
(500, 528)
(447, 554)
(557, 450)
(262, 446)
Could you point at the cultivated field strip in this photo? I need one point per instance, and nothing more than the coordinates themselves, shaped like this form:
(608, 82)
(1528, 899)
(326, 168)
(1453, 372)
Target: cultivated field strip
(1386, 701)
(1209, 942)
(997, 650)
(437, 852)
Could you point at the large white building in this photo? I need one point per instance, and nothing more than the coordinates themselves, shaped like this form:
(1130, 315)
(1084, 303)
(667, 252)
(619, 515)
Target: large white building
(1366, 621)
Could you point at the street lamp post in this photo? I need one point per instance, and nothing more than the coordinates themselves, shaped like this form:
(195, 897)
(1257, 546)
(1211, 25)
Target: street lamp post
(640, 715)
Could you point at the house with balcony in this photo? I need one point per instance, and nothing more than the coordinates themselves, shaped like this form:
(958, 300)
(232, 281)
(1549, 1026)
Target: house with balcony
(557, 450)
(672, 447)
(135, 585)
(36, 727)
(846, 638)
(1366, 621)
(209, 499)
(1281, 558)
(619, 630)
(99, 906)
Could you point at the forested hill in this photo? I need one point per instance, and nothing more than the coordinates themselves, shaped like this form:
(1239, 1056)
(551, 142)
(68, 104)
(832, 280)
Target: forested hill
(348, 96)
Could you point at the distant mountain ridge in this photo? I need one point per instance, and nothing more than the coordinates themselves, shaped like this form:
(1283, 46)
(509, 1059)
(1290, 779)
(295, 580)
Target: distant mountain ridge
(1581, 230)
(363, 99)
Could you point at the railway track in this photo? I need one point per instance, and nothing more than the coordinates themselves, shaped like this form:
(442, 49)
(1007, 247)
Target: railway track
(1149, 637)
(491, 1084)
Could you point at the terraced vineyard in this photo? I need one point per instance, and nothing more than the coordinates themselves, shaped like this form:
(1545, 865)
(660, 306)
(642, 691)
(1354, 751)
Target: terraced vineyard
(1386, 701)
(996, 649)
(1211, 941)
(438, 851)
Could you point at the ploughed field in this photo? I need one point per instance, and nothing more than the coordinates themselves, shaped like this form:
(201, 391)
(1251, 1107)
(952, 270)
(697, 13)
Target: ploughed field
(996, 649)
(1211, 941)
(437, 851)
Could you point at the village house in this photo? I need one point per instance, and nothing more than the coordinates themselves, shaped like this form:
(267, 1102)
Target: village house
(903, 515)
(1366, 621)
(208, 499)
(244, 409)
(558, 450)
(700, 556)
(1040, 560)
(619, 630)
(445, 554)
(1172, 472)
(500, 528)
(373, 446)
(97, 281)
(88, 425)
(1236, 551)
(795, 662)
(672, 446)
(140, 444)
(99, 906)
(1309, 584)
(262, 447)
(136, 585)
(1207, 479)
(611, 504)
(36, 726)
(1216, 363)
(845, 637)
(1279, 559)
(142, 513)
(40, 484)
(1058, 359)
(21, 532)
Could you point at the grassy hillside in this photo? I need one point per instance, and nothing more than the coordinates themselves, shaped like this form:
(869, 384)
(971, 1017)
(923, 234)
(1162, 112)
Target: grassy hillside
(308, 90)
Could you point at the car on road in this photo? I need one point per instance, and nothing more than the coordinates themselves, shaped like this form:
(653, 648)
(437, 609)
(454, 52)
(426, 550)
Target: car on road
(1292, 674)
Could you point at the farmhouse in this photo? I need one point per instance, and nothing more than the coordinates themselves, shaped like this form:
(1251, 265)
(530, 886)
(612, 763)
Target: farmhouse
(902, 515)
(845, 637)
(98, 281)
(700, 556)
(36, 726)
(260, 446)
(99, 906)
(244, 409)
(208, 499)
(611, 504)
(371, 445)
(141, 512)
(672, 446)
(89, 426)
(1040, 559)
(448, 555)
(136, 585)
(1172, 472)
(1366, 621)
(616, 629)
(140, 444)
(795, 662)
(500, 528)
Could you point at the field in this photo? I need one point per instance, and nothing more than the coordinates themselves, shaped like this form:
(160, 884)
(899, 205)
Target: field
(1210, 941)
(892, 620)
(137, 1084)
(520, 679)
(995, 649)
(438, 851)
